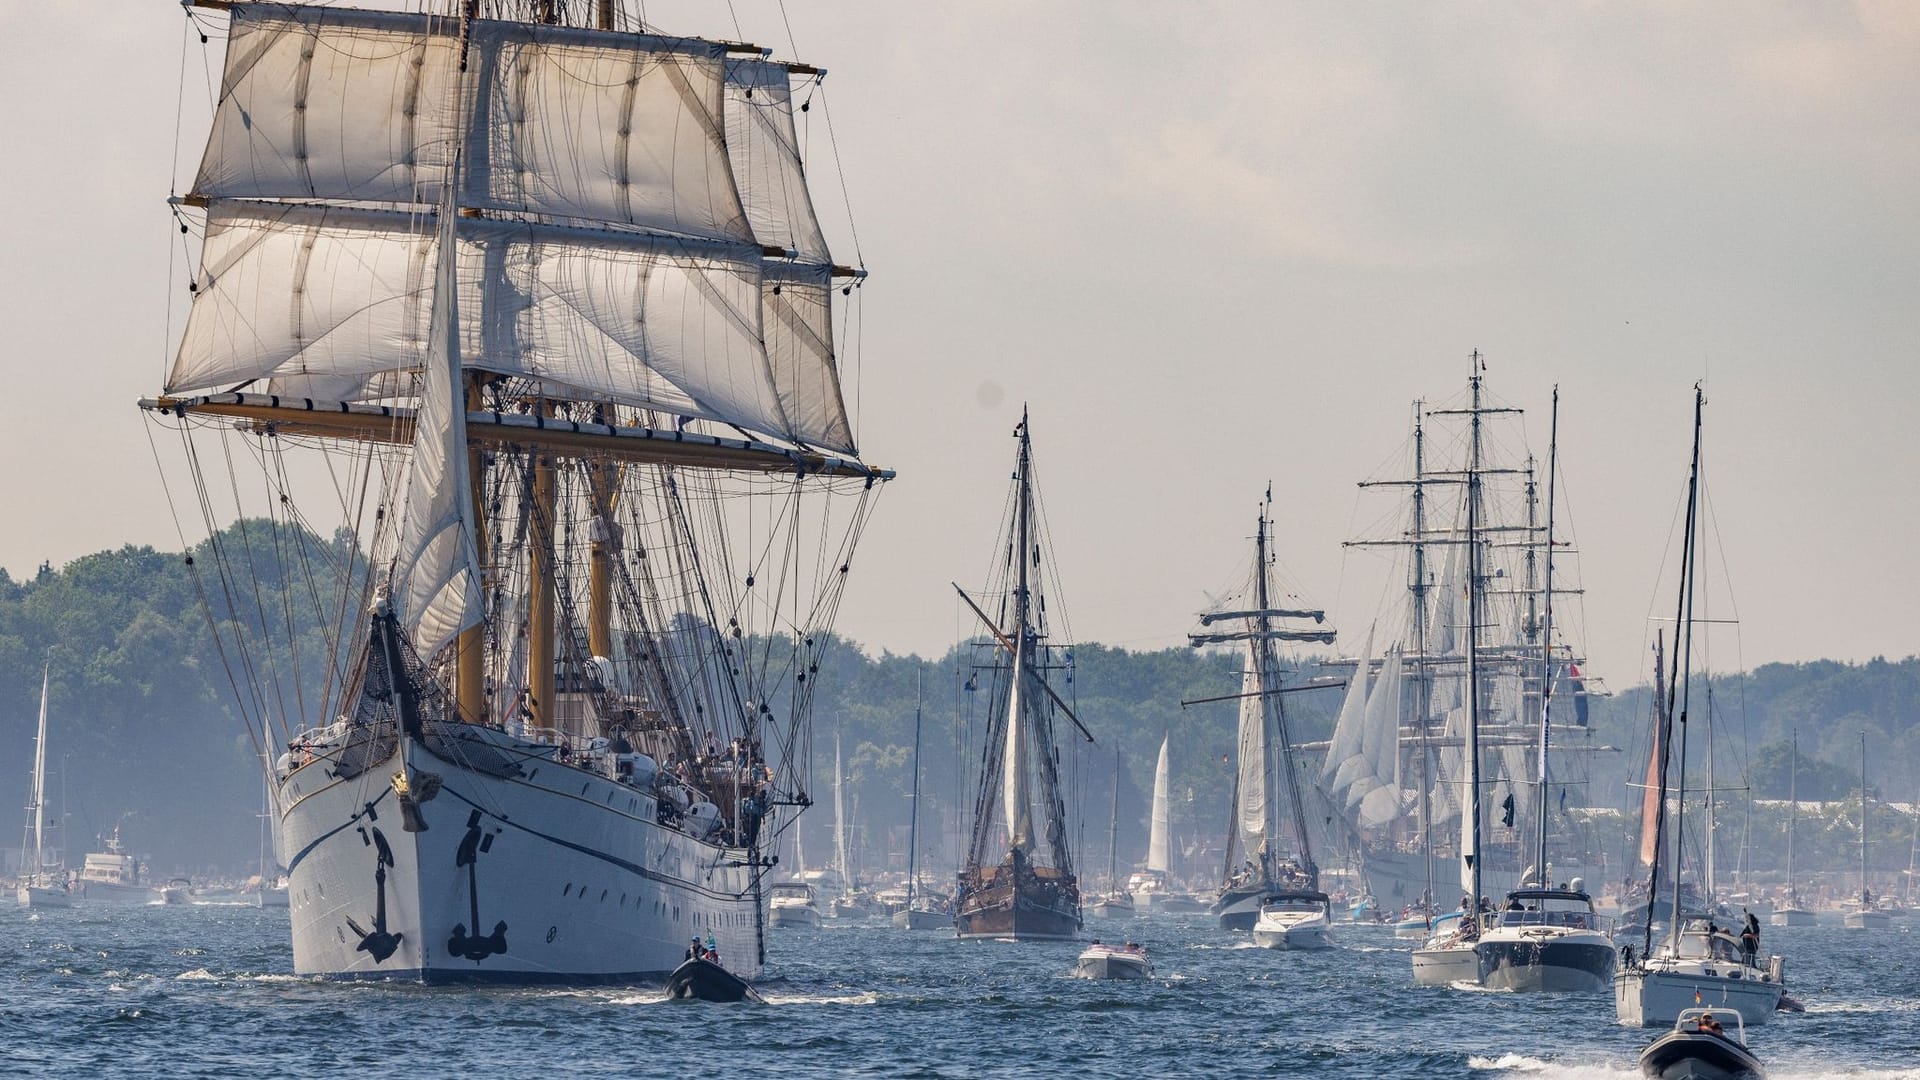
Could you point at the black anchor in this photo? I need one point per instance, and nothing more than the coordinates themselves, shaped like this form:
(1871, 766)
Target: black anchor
(378, 943)
(476, 947)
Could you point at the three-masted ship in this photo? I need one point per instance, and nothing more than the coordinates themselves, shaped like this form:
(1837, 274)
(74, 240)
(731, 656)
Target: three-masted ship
(1265, 769)
(539, 310)
(1018, 881)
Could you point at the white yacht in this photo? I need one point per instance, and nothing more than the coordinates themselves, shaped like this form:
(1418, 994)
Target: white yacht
(791, 903)
(41, 885)
(1701, 968)
(1546, 939)
(1294, 920)
(1450, 955)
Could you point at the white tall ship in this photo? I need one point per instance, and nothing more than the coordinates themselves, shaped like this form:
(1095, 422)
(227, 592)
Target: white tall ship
(542, 315)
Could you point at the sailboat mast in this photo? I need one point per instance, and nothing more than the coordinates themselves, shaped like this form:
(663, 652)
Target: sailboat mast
(1018, 804)
(1681, 685)
(839, 812)
(1864, 903)
(1424, 679)
(1472, 851)
(1113, 831)
(1793, 812)
(1270, 698)
(913, 819)
(1546, 655)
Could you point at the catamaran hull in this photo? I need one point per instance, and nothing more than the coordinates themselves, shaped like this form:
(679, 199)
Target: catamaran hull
(1445, 966)
(1655, 998)
(1553, 966)
(553, 875)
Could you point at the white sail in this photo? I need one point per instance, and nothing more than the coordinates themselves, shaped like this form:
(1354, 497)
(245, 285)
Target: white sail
(1018, 801)
(1380, 804)
(363, 106)
(765, 152)
(1162, 822)
(1253, 752)
(839, 811)
(40, 776)
(604, 247)
(1345, 765)
(436, 578)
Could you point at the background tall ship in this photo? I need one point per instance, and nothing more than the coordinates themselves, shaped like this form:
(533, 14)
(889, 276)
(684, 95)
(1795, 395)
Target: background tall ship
(534, 302)
(1396, 772)
(1018, 881)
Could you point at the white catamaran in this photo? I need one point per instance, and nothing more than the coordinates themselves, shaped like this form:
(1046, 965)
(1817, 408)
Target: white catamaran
(534, 299)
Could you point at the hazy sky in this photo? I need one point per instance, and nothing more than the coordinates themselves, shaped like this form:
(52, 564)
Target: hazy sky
(1209, 244)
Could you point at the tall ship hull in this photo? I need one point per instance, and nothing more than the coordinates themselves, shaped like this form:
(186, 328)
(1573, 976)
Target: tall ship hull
(549, 873)
(1021, 905)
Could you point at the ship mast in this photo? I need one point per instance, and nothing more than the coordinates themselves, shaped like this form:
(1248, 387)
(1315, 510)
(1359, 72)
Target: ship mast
(1546, 655)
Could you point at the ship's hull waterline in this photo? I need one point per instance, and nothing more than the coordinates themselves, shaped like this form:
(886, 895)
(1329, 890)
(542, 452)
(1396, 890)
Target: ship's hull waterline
(534, 873)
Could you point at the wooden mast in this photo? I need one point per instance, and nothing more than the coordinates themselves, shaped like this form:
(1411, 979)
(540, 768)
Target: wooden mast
(602, 493)
(470, 680)
(540, 574)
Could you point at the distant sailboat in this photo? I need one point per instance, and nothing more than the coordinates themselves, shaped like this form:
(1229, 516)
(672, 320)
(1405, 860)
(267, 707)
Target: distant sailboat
(921, 910)
(1867, 917)
(1792, 912)
(1116, 903)
(1151, 887)
(42, 884)
(1030, 892)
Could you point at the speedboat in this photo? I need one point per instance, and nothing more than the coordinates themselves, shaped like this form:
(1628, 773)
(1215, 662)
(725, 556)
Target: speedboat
(791, 903)
(177, 891)
(1127, 961)
(1449, 955)
(1546, 939)
(1294, 920)
(1707, 968)
(1698, 1048)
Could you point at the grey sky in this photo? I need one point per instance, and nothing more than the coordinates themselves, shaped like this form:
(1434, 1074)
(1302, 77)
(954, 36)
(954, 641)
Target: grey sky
(1210, 245)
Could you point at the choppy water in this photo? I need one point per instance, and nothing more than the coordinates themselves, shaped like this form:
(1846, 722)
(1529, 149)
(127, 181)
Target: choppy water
(208, 991)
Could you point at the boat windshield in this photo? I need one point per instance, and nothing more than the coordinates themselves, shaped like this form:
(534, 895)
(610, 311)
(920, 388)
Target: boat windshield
(791, 890)
(1546, 909)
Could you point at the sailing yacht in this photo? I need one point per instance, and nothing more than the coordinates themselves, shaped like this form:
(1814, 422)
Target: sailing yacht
(1699, 963)
(1116, 903)
(1030, 892)
(42, 884)
(1867, 916)
(537, 307)
(1265, 747)
(1546, 938)
(1791, 912)
(1151, 887)
(918, 910)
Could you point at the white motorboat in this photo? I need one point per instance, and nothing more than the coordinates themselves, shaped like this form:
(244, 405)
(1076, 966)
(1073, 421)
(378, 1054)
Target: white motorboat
(1446, 960)
(1546, 940)
(1100, 961)
(1294, 920)
(791, 903)
(115, 877)
(1705, 967)
(1699, 1048)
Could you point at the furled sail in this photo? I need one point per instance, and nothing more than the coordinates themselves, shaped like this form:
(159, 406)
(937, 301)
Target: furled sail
(1253, 753)
(604, 248)
(436, 576)
(1161, 825)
